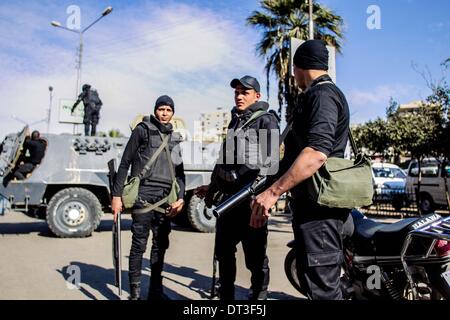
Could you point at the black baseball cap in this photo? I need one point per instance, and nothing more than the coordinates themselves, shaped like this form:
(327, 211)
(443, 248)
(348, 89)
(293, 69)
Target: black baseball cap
(247, 82)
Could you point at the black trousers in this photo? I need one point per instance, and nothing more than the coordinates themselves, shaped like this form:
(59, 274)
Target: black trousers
(23, 170)
(231, 229)
(90, 121)
(319, 234)
(160, 225)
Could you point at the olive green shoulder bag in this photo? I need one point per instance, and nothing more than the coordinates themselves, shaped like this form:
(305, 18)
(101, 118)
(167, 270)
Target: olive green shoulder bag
(343, 183)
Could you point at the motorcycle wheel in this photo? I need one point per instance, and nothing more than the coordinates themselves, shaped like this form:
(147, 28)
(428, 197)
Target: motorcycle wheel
(436, 289)
(290, 269)
(440, 288)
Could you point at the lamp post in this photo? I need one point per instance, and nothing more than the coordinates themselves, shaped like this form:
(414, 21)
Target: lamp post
(80, 33)
(311, 20)
(49, 114)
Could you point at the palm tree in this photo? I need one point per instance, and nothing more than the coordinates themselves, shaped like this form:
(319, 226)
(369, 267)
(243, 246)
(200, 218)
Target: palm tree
(281, 20)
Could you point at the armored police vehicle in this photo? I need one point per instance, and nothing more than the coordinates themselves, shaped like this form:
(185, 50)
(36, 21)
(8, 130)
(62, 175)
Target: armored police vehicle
(71, 188)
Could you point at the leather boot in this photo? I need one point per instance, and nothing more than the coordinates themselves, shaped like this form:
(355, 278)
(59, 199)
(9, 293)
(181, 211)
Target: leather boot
(135, 291)
(155, 291)
(258, 295)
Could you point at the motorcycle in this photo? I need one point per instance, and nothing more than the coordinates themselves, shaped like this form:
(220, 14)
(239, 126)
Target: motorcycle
(406, 260)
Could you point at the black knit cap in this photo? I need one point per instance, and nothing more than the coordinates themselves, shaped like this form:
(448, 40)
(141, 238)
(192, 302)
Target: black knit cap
(165, 101)
(312, 55)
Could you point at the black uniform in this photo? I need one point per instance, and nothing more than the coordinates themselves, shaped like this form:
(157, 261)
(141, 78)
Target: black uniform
(234, 227)
(321, 122)
(155, 186)
(92, 106)
(36, 149)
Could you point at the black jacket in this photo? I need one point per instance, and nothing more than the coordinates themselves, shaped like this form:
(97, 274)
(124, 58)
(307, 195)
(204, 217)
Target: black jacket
(321, 122)
(143, 143)
(229, 177)
(36, 149)
(91, 101)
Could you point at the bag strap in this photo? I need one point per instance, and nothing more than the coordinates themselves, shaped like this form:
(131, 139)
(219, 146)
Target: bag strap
(154, 157)
(255, 115)
(169, 159)
(285, 132)
(350, 135)
(353, 142)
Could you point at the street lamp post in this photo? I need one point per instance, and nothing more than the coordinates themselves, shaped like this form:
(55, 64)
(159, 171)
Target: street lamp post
(49, 114)
(311, 20)
(80, 33)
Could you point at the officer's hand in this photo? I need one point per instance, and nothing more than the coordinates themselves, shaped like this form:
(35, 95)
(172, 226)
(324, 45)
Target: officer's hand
(175, 208)
(261, 206)
(116, 207)
(201, 191)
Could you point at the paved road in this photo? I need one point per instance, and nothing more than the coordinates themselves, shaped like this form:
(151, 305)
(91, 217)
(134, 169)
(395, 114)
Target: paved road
(36, 265)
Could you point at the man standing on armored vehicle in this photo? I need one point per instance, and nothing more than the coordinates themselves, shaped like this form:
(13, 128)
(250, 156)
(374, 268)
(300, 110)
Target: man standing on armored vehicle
(92, 106)
(250, 118)
(154, 154)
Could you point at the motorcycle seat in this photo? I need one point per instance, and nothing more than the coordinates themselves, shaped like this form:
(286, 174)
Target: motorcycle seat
(366, 228)
(384, 238)
(398, 227)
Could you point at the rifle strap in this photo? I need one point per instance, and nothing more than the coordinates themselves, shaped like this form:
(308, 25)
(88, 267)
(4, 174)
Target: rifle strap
(152, 207)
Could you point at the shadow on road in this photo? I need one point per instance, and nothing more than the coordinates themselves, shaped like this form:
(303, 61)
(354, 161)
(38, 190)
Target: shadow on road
(26, 228)
(97, 278)
(201, 284)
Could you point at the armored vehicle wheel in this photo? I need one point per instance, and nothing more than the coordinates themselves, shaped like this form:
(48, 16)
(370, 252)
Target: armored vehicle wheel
(201, 219)
(74, 213)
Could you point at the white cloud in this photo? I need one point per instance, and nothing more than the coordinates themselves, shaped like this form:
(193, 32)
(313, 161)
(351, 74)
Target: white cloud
(365, 104)
(139, 54)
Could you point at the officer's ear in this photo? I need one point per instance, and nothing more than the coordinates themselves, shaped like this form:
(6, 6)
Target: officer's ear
(258, 95)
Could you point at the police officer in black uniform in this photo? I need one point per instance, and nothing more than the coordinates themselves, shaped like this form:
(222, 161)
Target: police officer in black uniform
(92, 106)
(155, 186)
(35, 146)
(229, 178)
(320, 130)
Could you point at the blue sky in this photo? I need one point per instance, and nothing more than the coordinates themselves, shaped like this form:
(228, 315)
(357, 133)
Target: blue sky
(192, 49)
